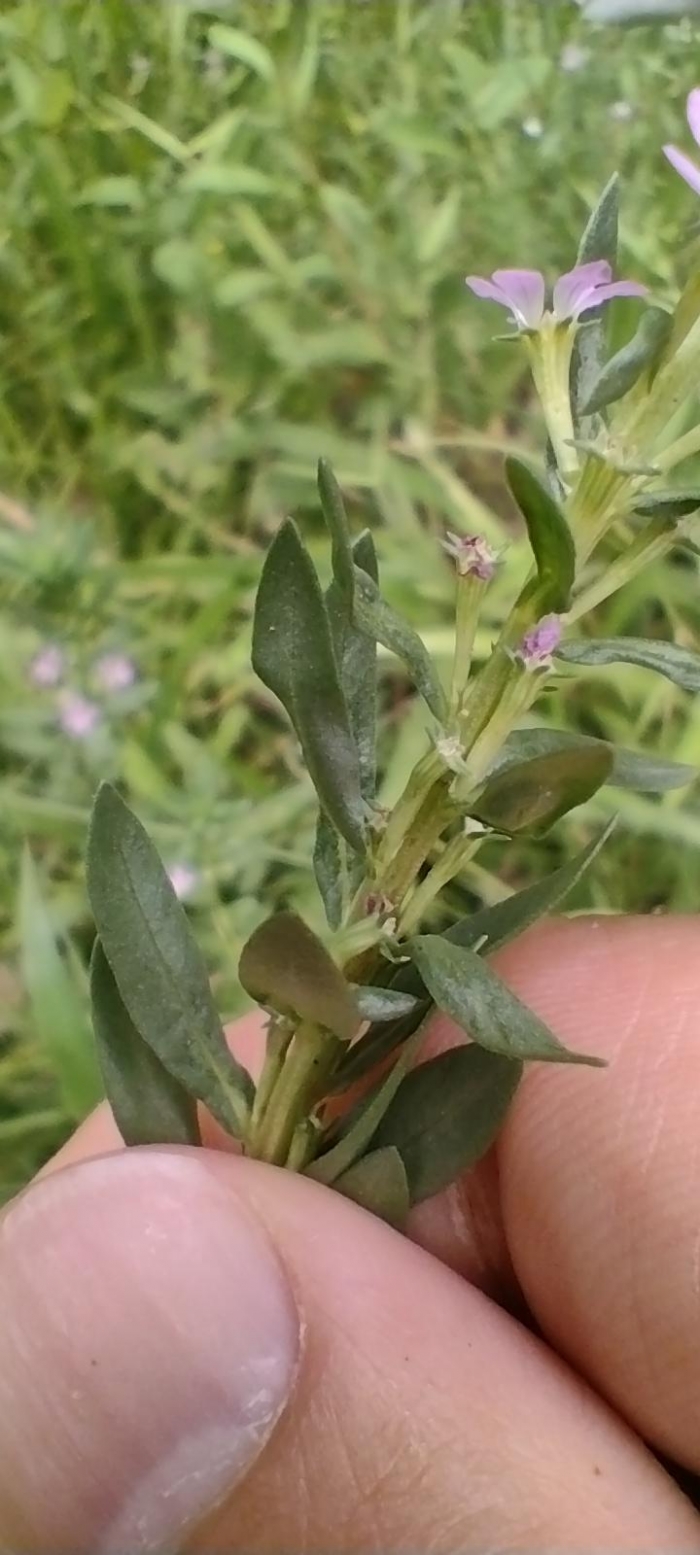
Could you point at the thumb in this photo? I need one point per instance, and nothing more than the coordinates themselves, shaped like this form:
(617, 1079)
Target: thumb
(148, 1346)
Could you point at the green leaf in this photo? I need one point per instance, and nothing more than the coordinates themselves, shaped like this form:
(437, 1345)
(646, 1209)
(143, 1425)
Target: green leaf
(621, 372)
(357, 659)
(375, 617)
(341, 547)
(466, 989)
(504, 921)
(58, 1013)
(673, 504)
(328, 869)
(599, 241)
(293, 654)
(630, 769)
(286, 968)
(549, 533)
(378, 1182)
(680, 665)
(533, 794)
(150, 1107)
(382, 1004)
(489, 928)
(156, 962)
(446, 1115)
(241, 46)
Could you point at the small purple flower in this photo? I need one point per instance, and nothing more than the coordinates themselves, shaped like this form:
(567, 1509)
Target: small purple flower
(473, 556)
(77, 716)
(48, 665)
(524, 293)
(538, 645)
(688, 169)
(184, 880)
(115, 672)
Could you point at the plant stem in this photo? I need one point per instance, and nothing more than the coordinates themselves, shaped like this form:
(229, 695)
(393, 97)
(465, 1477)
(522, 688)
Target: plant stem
(308, 1062)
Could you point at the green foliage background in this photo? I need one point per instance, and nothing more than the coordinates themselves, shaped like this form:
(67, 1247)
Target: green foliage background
(233, 238)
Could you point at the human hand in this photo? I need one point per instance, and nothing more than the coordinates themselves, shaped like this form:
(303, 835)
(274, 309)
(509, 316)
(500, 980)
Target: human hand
(202, 1353)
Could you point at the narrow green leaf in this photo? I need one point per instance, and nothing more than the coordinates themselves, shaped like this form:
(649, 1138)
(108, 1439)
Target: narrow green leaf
(673, 504)
(365, 1122)
(286, 968)
(599, 241)
(293, 654)
(446, 1115)
(244, 48)
(378, 1182)
(157, 964)
(504, 921)
(680, 665)
(375, 617)
(357, 659)
(630, 769)
(382, 1004)
(338, 528)
(549, 533)
(328, 869)
(59, 1015)
(533, 794)
(150, 1107)
(641, 353)
(490, 928)
(466, 989)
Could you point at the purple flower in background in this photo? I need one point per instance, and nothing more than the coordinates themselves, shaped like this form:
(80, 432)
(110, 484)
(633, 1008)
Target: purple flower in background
(538, 644)
(48, 665)
(524, 292)
(115, 672)
(688, 169)
(184, 880)
(473, 555)
(77, 716)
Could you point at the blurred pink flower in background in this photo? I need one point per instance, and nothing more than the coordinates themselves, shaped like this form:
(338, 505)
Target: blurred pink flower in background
(184, 880)
(115, 672)
(77, 716)
(48, 665)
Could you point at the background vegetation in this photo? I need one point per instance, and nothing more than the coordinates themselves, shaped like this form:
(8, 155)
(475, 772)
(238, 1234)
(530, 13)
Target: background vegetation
(233, 237)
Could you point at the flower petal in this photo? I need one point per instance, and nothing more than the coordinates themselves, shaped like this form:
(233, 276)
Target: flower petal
(525, 291)
(483, 288)
(693, 111)
(601, 294)
(571, 287)
(683, 165)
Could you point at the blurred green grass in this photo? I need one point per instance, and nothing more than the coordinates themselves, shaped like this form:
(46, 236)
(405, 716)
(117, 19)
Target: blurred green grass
(233, 238)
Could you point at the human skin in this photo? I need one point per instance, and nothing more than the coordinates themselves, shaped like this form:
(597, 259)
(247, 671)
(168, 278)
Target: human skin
(203, 1353)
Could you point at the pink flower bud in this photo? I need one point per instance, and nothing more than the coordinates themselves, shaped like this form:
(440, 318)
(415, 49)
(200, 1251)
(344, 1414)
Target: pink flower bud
(473, 556)
(538, 645)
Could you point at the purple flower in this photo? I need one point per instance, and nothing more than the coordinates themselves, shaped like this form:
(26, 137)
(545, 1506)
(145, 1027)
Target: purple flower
(688, 169)
(115, 672)
(473, 555)
(524, 293)
(538, 645)
(47, 666)
(184, 880)
(77, 716)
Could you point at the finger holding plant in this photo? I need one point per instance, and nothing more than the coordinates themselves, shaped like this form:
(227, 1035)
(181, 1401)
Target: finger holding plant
(355, 1007)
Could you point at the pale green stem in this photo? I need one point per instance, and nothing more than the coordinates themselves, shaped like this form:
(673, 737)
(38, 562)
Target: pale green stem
(470, 592)
(308, 1062)
(683, 448)
(550, 351)
(458, 852)
(655, 542)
